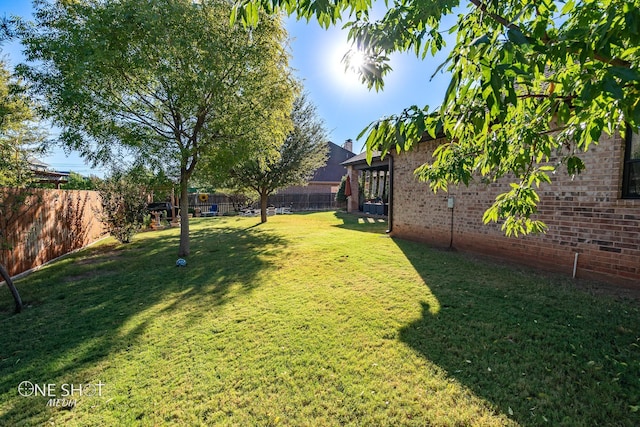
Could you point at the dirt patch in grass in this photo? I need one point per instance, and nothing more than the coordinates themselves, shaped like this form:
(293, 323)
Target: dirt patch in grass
(107, 253)
(98, 259)
(83, 276)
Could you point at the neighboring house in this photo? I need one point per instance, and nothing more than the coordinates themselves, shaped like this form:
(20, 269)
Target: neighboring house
(320, 192)
(327, 178)
(593, 218)
(44, 175)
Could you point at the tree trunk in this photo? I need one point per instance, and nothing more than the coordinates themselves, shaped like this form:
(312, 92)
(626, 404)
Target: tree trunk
(16, 296)
(184, 214)
(263, 206)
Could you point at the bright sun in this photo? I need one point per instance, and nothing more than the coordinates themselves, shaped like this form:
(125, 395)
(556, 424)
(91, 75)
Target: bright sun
(346, 76)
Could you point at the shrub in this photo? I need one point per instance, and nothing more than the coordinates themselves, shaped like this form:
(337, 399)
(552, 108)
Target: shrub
(123, 206)
(340, 195)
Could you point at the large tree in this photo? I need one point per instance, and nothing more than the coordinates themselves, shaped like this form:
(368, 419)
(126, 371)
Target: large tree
(533, 84)
(170, 83)
(303, 151)
(16, 134)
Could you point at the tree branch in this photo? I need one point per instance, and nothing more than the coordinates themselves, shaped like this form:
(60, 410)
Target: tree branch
(499, 19)
(546, 39)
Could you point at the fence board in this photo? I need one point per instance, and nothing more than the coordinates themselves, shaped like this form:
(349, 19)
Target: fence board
(60, 222)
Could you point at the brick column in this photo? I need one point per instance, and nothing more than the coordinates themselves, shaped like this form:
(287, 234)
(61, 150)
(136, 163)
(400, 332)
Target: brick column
(353, 202)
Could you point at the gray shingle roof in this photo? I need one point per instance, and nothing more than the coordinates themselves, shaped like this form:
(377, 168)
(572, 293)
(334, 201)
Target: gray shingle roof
(334, 169)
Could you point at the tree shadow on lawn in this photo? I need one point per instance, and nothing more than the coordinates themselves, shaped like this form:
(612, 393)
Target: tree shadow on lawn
(541, 352)
(100, 300)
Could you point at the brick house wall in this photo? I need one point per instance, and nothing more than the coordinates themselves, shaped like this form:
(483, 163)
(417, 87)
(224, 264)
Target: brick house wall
(585, 215)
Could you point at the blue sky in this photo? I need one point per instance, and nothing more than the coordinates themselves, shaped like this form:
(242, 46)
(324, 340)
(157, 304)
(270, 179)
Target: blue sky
(344, 104)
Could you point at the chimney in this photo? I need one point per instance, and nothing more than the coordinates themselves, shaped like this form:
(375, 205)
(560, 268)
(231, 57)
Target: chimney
(348, 145)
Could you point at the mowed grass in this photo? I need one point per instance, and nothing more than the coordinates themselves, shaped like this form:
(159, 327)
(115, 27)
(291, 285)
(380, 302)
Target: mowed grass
(319, 320)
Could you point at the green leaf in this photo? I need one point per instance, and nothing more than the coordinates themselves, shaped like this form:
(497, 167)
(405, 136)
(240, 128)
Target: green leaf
(481, 40)
(568, 7)
(595, 131)
(575, 165)
(496, 84)
(626, 74)
(516, 36)
(612, 87)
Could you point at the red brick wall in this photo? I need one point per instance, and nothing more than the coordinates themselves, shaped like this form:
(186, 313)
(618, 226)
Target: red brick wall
(60, 222)
(585, 215)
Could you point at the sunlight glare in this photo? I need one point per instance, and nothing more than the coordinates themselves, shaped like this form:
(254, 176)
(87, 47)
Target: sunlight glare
(343, 72)
(356, 60)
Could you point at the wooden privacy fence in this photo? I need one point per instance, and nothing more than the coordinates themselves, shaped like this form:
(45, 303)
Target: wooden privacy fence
(46, 225)
(296, 202)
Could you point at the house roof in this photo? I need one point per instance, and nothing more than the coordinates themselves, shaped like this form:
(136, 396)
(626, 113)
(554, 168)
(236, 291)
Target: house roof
(44, 175)
(360, 162)
(334, 170)
(362, 157)
(37, 165)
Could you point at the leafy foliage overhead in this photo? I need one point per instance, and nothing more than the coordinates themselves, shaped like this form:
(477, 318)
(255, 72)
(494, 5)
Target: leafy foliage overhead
(533, 84)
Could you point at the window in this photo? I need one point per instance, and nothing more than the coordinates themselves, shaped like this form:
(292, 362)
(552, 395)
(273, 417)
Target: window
(631, 177)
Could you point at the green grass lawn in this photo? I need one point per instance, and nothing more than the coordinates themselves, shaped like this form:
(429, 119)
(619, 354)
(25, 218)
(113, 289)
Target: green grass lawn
(317, 319)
